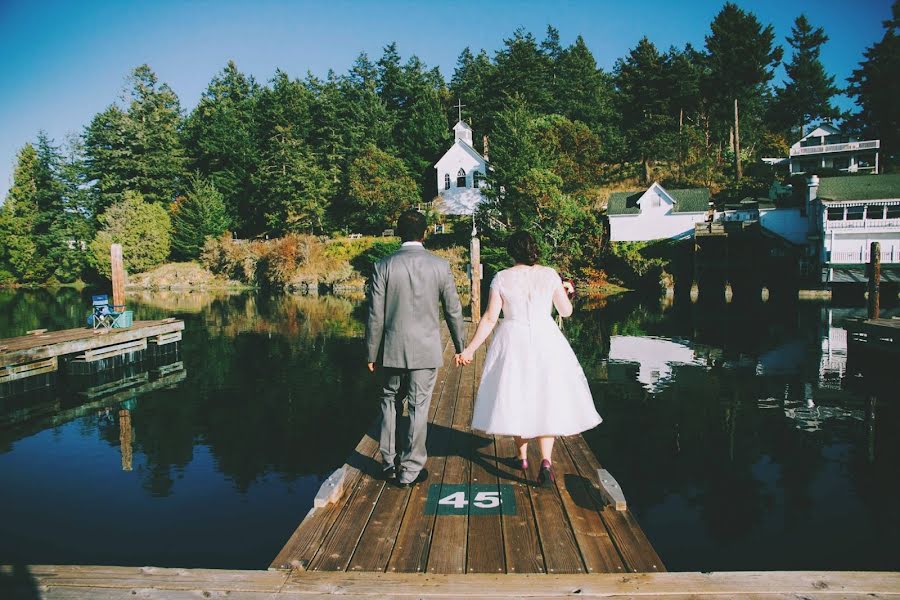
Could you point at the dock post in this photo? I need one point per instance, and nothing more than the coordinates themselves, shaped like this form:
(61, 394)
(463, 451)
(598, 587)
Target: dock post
(125, 439)
(475, 275)
(117, 267)
(874, 279)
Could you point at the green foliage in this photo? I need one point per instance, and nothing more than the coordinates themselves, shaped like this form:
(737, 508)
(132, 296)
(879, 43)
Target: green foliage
(365, 261)
(379, 190)
(142, 228)
(638, 264)
(137, 148)
(199, 215)
(876, 87)
(807, 92)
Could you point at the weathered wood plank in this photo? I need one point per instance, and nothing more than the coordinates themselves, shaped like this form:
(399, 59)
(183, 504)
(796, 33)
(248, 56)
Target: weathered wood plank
(410, 552)
(110, 582)
(597, 548)
(449, 555)
(630, 540)
(484, 553)
(561, 553)
(521, 543)
(29, 348)
(380, 535)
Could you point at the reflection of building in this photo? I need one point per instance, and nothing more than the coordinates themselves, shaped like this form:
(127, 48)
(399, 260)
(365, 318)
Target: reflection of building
(460, 174)
(851, 213)
(655, 357)
(825, 147)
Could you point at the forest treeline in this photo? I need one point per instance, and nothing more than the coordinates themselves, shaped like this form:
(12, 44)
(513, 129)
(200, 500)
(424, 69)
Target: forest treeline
(346, 152)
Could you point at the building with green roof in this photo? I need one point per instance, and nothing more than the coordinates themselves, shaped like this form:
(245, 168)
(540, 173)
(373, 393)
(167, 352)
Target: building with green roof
(656, 213)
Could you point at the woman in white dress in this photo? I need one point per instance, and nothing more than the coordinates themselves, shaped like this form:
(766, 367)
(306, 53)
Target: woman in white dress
(532, 385)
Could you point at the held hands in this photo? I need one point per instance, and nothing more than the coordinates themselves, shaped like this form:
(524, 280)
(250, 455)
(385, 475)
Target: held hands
(463, 358)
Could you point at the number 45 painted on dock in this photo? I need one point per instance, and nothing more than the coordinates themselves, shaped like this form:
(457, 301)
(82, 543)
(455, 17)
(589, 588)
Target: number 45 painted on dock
(477, 499)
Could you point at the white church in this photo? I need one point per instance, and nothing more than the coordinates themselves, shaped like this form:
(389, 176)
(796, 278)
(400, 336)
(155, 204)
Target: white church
(461, 174)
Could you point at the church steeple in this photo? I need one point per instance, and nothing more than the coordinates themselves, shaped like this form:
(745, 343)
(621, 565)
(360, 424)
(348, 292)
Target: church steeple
(463, 132)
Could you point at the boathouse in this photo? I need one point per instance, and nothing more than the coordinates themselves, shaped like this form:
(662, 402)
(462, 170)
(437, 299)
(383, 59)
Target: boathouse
(656, 213)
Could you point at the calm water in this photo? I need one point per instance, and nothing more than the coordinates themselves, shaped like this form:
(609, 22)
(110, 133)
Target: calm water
(734, 430)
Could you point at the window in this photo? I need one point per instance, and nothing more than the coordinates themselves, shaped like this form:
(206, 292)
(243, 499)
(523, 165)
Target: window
(875, 211)
(893, 211)
(655, 201)
(446, 181)
(855, 213)
(836, 214)
(461, 178)
(477, 178)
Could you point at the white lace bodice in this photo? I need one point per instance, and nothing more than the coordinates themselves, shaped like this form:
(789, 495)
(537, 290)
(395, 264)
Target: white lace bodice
(527, 292)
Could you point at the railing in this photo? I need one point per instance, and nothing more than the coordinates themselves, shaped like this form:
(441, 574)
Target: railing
(862, 224)
(848, 147)
(854, 257)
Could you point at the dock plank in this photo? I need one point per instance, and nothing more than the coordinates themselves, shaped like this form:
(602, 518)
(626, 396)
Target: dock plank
(484, 552)
(380, 535)
(521, 542)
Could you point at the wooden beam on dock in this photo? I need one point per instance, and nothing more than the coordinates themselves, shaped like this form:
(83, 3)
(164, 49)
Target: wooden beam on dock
(74, 582)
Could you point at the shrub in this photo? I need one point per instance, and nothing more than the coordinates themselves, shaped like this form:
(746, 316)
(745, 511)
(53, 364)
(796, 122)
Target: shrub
(142, 228)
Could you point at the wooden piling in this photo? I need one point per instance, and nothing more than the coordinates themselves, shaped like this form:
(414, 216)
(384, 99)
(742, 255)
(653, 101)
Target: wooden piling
(117, 266)
(475, 278)
(125, 439)
(874, 279)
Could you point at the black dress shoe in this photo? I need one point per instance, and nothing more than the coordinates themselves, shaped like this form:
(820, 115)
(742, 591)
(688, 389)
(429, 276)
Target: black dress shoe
(389, 473)
(422, 476)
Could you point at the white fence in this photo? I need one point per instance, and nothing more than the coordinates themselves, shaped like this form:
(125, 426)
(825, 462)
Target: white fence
(862, 224)
(852, 257)
(824, 149)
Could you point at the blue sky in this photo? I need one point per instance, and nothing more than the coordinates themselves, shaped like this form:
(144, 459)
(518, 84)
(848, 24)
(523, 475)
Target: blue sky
(62, 62)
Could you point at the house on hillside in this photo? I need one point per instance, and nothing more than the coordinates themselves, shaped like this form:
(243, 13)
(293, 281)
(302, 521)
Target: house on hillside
(851, 213)
(656, 213)
(825, 147)
(461, 174)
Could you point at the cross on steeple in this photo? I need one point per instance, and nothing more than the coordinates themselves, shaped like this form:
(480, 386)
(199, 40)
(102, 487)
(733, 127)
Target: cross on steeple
(459, 105)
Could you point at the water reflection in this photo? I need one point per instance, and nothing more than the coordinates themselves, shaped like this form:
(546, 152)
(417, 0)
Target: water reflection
(735, 430)
(739, 437)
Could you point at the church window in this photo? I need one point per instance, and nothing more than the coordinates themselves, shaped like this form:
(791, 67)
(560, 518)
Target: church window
(461, 178)
(446, 181)
(477, 178)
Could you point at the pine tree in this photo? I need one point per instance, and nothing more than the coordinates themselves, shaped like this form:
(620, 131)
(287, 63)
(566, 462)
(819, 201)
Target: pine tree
(142, 228)
(220, 138)
(741, 59)
(807, 92)
(521, 69)
(876, 88)
(138, 148)
(469, 85)
(644, 105)
(197, 216)
(18, 217)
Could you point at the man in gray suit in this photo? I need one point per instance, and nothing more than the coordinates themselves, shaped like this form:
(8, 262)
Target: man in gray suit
(403, 330)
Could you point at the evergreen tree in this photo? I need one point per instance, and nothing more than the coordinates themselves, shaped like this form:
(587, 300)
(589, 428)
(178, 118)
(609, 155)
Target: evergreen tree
(522, 70)
(197, 216)
(741, 58)
(469, 85)
(18, 217)
(644, 105)
(220, 137)
(876, 88)
(807, 92)
(379, 190)
(139, 148)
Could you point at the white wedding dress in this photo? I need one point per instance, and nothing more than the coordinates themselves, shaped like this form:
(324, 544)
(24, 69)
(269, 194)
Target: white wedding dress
(532, 384)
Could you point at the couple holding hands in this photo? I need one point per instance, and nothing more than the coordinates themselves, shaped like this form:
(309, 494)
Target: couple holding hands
(532, 386)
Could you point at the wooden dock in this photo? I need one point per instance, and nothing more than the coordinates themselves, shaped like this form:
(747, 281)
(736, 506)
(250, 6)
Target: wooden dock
(39, 352)
(475, 514)
(73, 582)
(881, 335)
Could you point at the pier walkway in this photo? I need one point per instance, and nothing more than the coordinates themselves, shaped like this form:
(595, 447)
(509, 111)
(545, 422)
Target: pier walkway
(476, 513)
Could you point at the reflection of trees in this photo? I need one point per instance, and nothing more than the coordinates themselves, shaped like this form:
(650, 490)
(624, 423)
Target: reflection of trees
(275, 386)
(24, 310)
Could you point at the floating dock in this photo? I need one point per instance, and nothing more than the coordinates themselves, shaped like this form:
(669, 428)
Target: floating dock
(477, 513)
(84, 349)
(880, 335)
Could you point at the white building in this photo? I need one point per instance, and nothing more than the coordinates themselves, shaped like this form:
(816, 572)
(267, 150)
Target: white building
(656, 213)
(853, 212)
(461, 174)
(825, 147)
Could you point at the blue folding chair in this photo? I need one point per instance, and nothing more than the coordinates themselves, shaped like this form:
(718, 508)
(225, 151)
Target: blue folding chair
(103, 316)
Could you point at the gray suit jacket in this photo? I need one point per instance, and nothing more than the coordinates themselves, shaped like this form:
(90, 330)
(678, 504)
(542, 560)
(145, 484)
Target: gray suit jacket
(403, 310)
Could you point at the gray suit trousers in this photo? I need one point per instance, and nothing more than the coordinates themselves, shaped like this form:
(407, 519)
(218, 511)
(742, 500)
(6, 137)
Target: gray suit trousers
(421, 385)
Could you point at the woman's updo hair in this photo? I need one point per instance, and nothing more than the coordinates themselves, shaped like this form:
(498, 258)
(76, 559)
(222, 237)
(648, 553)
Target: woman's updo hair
(522, 247)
